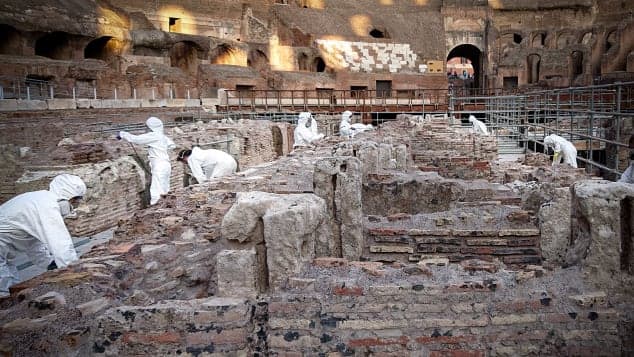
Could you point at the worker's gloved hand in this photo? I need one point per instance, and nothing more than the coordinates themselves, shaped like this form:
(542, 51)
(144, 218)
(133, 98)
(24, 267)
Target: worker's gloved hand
(52, 266)
(118, 137)
(555, 158)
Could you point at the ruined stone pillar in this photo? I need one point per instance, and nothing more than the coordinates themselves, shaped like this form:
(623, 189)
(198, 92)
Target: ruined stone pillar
(338, 181)
(602, 236)
(282, 229)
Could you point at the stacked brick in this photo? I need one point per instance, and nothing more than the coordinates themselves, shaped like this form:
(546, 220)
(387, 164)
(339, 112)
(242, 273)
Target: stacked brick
(463, 318)
(453, 152)
(178, 327)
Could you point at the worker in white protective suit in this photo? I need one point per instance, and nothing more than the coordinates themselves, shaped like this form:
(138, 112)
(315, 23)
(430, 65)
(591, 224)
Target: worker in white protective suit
(628, 175)
(478, 127)
(158, 146)
(350, 130)
(563, 149)
(32, 223)
(306, 134)
(206, 164)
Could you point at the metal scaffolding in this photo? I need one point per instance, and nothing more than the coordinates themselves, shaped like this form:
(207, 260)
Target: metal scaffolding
(598, 120)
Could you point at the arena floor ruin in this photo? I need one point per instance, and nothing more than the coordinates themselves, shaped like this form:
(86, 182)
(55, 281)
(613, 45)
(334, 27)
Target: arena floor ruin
(411, 240)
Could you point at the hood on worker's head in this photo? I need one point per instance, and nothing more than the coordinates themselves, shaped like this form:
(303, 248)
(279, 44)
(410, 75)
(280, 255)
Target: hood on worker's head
(346, 115)
(550, 139)
(471, 118)
(67, 186)
(303, 117)
(155, 124)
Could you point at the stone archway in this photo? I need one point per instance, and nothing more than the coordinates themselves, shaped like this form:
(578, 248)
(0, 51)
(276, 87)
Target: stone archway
(258, 60)
(474, 56)
(185, 55)
(103, 48)
(55, 45)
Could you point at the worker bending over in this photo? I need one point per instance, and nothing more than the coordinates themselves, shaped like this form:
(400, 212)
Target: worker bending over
(478, 127)
(206, 164)
(563, 149)
(33, 223)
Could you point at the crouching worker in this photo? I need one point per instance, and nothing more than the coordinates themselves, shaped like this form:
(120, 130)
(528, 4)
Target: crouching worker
(206, 164)
(33, 223)
(563, 149)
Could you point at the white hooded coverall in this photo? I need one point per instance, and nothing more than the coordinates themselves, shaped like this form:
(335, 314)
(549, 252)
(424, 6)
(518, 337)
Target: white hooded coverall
(562, 147)
(32, 223)
(628, 175)
(478, 126)
(303, 135)
(206, 164)
(158, 146)
(350, 130)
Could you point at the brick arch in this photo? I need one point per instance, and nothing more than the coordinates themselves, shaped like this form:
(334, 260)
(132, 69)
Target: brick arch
(474, 54)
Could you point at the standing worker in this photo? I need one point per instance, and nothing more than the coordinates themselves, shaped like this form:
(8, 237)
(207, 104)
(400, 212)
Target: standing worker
(563, 149)
(33, 223)
(206, 164)
(158, 146)
(305, 135)
(350, 130)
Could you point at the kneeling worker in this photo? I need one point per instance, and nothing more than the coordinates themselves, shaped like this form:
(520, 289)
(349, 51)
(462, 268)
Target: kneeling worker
(33, 223)
(206, 164)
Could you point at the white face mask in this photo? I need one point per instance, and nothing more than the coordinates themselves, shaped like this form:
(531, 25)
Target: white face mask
(66, 209)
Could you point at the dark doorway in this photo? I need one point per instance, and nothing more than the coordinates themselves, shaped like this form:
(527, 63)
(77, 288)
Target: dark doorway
(184, 55)
(533, 63)
(11, 41)
(474, 55)
(102, 48)
(510, 82)
(55, 45)
(383, 89)
(319, 65)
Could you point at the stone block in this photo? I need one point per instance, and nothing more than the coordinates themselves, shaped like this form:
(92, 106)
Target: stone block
(391, 249)
(237, 273)
(289, 224)
(153, 103)
(57, 104)
(31, 104)
(8, 105)
(329, 262)
(590, 299)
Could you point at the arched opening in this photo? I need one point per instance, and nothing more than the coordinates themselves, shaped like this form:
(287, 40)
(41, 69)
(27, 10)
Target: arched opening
(103, 48)
(11, 41)
(610, 41)
(539, 40)
(224, 54)
(517, 38)
(319, 65)
(302, 62)
(532, 67)
(55, 45)
(576, 64)
(258, 60)
(184, 55)
(376, 33)
(469, 70)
